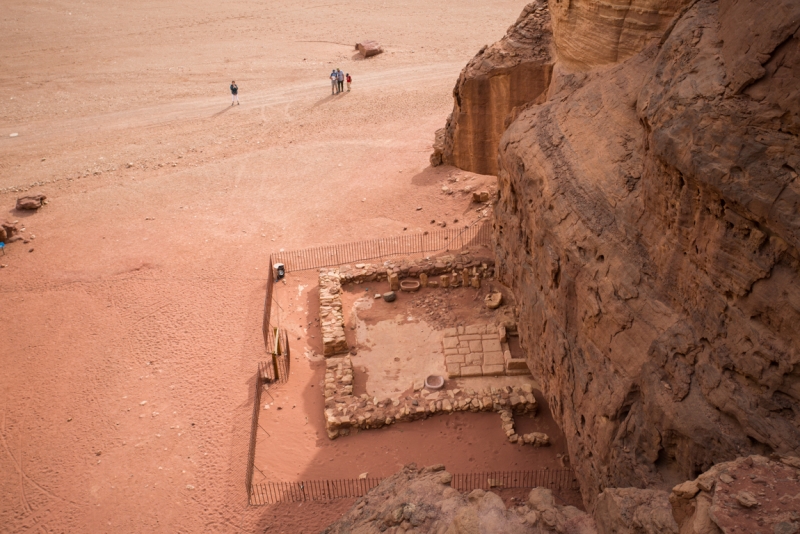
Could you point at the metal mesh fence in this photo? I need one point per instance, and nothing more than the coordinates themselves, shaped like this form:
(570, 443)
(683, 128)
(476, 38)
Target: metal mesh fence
(275, 492)
(358, 251)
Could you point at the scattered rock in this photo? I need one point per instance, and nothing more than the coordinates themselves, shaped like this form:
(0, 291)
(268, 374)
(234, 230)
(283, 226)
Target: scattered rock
(493, 300)
(390, 296)
(369, 48)
(31, 202)
(480, 196)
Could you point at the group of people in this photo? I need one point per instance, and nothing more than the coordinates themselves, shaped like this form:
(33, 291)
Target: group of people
(337, 85)
(337, 81)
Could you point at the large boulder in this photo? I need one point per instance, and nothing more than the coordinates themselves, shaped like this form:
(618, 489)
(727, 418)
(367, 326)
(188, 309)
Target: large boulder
(7, 231)
(648, 222)
(509, 74)
(369, 48)
(31, 202)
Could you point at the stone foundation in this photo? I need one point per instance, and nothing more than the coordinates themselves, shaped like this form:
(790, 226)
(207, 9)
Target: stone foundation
(480, 350)
(331, 316)
(344, 411)
(452, 265)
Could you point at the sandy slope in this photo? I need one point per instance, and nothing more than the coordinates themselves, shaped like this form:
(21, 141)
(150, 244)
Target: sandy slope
(123, 113)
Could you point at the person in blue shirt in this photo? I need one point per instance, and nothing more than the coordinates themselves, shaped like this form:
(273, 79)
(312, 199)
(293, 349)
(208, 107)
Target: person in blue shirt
(334, 81)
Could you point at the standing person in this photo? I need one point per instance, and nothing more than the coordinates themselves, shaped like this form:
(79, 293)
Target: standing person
(349, 79)
(340, 79)
(234, 93)
(334, 81)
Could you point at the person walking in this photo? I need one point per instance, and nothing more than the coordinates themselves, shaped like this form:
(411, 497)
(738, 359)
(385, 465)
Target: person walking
(349, 79)
(234, 93)
(334, 81)
(340, 79)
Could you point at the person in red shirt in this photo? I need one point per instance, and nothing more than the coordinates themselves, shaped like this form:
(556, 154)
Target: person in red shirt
(349, 79)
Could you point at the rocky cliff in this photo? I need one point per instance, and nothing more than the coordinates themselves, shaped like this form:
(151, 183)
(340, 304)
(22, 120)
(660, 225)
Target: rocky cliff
(512, 72)
(648, 221)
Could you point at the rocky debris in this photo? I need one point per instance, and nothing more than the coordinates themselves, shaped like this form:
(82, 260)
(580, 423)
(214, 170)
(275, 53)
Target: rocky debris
(511, 73)
(31, 202)
(7, 231)
(748, 495)
(480, 196)
(330, 313)
(390, 296)
(493, 300)
(537, 439)
(647, 225)
(634, 511)
(421, 500)
(478, 350)
(344, 411)
(369, 48)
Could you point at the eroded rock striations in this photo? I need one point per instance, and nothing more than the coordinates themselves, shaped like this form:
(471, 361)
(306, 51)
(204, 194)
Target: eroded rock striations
(648, 222)
(512, 72)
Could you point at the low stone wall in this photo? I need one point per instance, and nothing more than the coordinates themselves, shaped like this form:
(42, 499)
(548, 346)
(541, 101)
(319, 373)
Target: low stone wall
(344, 411)
(480, 350)
(331, 316)
(454, 269)
(453, 265)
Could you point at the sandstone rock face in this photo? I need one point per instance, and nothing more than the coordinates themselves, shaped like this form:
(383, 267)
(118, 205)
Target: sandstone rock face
(421, 500)
(589, 33)
(648, 221)
(750, 494)
(512, 72)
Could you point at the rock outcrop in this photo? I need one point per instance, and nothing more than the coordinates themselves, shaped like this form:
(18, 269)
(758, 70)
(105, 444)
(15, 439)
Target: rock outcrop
(512, 72)
(648, 222)
(751, 494)
(421, 500)
(634, 511)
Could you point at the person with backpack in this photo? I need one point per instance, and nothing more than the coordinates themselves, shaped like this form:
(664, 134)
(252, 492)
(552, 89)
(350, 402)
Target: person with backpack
(234, 93)
(334, 81)
(340, 79)
(349, 79)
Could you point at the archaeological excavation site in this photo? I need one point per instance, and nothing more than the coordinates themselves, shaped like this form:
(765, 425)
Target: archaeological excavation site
(534, 270)
(629, 299)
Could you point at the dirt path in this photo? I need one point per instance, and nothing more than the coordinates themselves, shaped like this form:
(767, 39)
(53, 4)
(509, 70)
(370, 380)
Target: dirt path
(131, 331)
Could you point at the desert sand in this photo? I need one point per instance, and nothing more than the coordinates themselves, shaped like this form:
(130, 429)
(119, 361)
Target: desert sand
(131, 318)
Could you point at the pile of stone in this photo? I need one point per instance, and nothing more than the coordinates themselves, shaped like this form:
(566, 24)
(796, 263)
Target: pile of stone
(480, 350)
(537, 439)
(344, 411)
(330, 313)
(460, 269)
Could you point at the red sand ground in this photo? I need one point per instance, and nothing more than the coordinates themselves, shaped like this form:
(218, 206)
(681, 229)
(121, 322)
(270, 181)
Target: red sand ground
(146, 276)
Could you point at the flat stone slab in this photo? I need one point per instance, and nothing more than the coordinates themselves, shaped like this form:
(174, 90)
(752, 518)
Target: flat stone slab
(484, 352)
